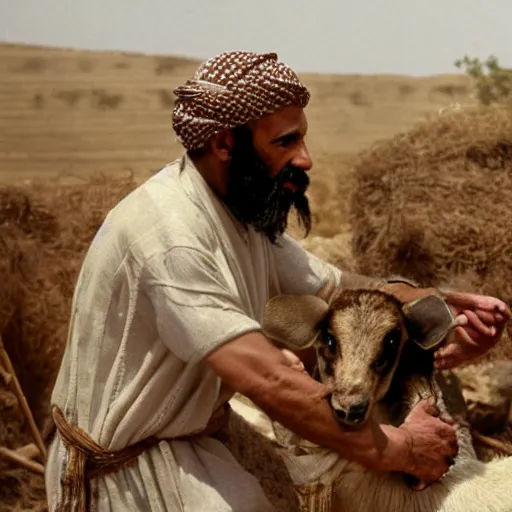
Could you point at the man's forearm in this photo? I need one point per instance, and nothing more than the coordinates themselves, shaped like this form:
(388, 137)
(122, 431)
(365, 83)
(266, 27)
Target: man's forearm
(299, 403)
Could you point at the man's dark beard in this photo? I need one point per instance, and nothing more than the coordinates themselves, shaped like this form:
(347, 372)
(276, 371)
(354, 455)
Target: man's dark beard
(257, 199)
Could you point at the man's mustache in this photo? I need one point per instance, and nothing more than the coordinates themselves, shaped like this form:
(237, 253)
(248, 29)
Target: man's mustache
(294, 175)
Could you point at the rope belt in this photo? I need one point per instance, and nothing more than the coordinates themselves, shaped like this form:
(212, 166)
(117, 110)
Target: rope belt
(87, 459)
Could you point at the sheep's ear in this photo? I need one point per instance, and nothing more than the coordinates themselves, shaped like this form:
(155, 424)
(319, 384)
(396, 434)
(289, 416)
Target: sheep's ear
(429, 321)
(294, 320)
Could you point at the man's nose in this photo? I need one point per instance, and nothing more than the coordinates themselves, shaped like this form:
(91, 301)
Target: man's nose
(302, 159)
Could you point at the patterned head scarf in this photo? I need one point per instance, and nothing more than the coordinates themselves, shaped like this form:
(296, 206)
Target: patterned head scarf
(231, 89)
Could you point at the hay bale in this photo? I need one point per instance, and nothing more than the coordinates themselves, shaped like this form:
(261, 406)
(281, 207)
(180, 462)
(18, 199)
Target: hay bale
(336, 250)
(433, 204)
(27, 214)
(44, 233)
(330, 184)
(8, 270)
(26, 230)
(81, 207)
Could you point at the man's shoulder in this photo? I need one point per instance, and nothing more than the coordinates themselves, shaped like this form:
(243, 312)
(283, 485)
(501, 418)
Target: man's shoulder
(299, 270)
(157, 215)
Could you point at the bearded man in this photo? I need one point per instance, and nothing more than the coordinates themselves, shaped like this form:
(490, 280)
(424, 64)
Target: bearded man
(165, 323)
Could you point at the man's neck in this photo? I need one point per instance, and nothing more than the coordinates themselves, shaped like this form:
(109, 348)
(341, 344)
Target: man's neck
(216, 180)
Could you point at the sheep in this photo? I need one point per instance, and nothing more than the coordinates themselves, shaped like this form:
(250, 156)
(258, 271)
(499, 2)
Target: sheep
(381, 373)
(250, 439)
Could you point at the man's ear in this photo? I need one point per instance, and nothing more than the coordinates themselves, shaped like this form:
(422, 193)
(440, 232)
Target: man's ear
(222, 145)
(429, 321)
(294, 320)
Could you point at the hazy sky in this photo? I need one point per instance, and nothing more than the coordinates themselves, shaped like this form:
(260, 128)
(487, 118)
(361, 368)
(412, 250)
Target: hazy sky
(340, 36)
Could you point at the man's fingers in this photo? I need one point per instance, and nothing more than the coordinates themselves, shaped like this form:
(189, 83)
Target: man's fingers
(453, 353)
(447, 419)
(451, 349)
(476, 322)
(448, 357)
(505, 311)
(469, 336)
(499, 317)
(431, 408)
(420, 485)
(472, 301)
(446, 363)
(293, 360)
(487, 317)
(461, 319)
(434, 411)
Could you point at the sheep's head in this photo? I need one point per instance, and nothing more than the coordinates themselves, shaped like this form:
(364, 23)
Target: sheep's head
(359, 339)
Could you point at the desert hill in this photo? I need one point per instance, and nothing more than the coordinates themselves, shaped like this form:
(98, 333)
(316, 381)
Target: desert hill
(68, 112)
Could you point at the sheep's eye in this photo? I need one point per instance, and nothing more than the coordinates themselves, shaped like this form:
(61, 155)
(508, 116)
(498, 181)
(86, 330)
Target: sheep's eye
(390, 346)
(330, 341)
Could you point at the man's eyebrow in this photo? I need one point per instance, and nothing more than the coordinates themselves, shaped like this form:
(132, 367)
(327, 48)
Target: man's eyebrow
(295, 132)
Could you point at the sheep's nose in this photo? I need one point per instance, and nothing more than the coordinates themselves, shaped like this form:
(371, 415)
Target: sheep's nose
(341, 414)
(357, 412)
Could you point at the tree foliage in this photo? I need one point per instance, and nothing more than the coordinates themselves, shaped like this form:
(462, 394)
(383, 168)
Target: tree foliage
(493, 82)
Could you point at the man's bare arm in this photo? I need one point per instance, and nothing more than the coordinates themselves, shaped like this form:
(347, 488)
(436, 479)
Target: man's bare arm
(252, 366)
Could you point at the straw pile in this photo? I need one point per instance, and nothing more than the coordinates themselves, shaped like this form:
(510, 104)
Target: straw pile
(44, 233)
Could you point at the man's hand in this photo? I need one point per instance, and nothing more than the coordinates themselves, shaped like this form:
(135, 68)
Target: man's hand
(487, 318)
(432, 441)
(432, 444)
(293, 360)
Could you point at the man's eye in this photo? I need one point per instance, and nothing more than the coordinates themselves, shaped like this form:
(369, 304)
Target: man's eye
(288, 140)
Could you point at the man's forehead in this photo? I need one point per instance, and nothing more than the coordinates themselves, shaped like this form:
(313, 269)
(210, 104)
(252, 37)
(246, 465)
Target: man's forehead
(283, 122)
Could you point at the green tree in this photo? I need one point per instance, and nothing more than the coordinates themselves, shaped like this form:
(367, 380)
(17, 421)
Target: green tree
(493, 83)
